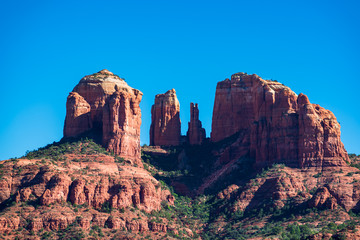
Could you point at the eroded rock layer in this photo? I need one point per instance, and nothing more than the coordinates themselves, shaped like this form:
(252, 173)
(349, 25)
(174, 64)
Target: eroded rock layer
(105, 105)
(165, 129)
(196, 133)
(85, 190)
(275, 125)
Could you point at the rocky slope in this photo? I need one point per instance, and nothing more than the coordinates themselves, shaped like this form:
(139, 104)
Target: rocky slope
(165, 129)
(103, 106)
(80, 189)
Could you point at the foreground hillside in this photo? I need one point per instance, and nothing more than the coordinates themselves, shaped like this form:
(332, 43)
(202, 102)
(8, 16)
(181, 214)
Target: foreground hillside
(78, 190)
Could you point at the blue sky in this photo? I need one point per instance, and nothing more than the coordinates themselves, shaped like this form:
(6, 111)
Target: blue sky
(46, 47)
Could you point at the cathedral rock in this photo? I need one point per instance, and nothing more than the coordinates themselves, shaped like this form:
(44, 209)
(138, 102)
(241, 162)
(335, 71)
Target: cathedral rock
(272, 124)
(104, 106)
(165, 129)
(196, 134)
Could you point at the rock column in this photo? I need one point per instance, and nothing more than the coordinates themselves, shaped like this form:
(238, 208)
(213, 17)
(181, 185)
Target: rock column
(196, 134)
(165, 129)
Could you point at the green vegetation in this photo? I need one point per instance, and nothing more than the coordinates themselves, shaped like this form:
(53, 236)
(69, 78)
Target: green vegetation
(56, 150)
(354, 160)
(217, 218)
(72, 231)
(106, 207)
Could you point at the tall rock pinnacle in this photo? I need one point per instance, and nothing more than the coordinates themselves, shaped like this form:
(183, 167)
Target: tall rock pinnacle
(196, 134)
(274, 125)
(104, 106)
(165, 129)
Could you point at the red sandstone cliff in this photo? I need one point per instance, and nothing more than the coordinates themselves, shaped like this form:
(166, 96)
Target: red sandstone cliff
(84, 190)
(274, 124)
(196, 134)
(105, 105)
(165, 129)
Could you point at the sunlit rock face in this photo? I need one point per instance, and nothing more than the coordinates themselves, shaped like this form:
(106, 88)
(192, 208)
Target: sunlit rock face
(104, 104)
(275, 125)
(165, 129)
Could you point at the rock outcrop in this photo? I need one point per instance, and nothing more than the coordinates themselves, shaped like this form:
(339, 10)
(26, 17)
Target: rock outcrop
(123, 187)
(274, 125)
(105, 106)
(165, 129)
(90, 190)
(196, 134)
(323, 199)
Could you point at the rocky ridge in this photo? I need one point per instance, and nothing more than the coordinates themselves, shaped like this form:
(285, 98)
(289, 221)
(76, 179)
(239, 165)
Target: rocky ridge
(84, 188)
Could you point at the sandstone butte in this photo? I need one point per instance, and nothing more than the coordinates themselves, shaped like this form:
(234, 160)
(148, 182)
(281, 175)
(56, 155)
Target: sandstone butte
(165, 129)
(106, 107)
(272, 124)
(253, 118)
(195, 134)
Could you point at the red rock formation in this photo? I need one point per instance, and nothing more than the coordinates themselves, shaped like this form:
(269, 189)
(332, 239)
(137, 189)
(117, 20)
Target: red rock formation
(121, 124)
(54, 185)
(102, 103)
(323, 199)
(165, 129)
(77, 119)
(196, 134)
(274, 124)
(227, 192)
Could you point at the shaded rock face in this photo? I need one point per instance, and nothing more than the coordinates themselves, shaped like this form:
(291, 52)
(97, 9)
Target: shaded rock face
(103, 104)
(274, 125)
(165, 129)
(196, 134)
(323, 199)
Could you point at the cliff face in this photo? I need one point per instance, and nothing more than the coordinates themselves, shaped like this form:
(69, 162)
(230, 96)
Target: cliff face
(196, 134)
(165, 129)
(103, 104)
(274, 125)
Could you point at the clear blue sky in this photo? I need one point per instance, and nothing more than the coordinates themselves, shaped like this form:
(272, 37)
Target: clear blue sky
(46, 47)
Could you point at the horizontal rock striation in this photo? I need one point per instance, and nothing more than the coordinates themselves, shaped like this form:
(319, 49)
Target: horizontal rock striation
(42, 184)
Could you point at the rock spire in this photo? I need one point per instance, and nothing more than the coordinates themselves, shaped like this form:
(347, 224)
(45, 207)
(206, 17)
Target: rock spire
(165, 129)
(196, 134)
